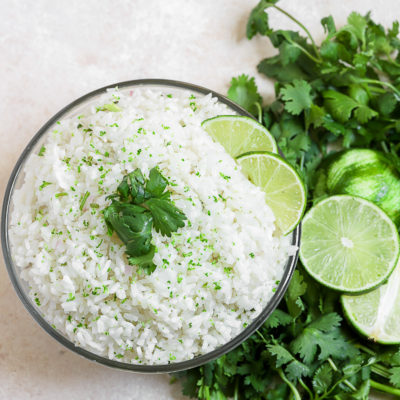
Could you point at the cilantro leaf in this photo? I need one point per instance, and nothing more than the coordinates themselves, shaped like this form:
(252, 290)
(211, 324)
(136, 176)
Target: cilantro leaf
(297, 96)
(282, 355)
(137, 186)
(357, 25)
(297, 288)
(395, 376)
(167, 217)
(243, 90)
(278, 318)
(272, 67)
(145, 261)
(289, 44)
(320, 334)
(363, 114)
(386, 103)
(326, 322)
(189, 383)
(322, 379)
(156, 183)
(258, 20)
(339, 105)
(133, 228)
(329, 25)
(296, 369)
(123, 188)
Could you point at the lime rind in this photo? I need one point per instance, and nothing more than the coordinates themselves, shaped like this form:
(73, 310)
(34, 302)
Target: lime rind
(239, 134)
(282, 184)
(376, 313)
(335, 224)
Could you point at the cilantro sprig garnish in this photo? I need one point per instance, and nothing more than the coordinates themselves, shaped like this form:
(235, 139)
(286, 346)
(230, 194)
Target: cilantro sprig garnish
(139, 205)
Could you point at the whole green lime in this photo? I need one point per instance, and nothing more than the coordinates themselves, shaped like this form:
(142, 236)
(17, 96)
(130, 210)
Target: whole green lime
(365, 173)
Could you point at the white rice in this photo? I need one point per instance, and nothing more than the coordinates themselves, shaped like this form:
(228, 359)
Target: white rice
(213, 276)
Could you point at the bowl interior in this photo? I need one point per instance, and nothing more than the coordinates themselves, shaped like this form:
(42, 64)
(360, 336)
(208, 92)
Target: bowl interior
(21, 286)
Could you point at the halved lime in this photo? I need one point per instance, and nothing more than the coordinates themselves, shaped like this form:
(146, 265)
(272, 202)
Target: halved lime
(239, 134)
(348, 244)
(377, 314)
(365, 173)
(284, 191)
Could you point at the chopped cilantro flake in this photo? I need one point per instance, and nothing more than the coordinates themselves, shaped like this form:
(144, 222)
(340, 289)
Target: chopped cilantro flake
(42, 151)
(83, 200)
(44, 184)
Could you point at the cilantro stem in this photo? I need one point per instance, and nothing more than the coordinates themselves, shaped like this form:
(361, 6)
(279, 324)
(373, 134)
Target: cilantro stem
(236, 394)
(262, 337)
(83, 200)
(316, 60)
(259, 111)
(384, 388)
(345, 381)
(380, 370)
(306, 388)
(295, 392)
(365, 349)
(333, 365)
(302, 27)
(302, 162)
(377, 82)
(384, 147)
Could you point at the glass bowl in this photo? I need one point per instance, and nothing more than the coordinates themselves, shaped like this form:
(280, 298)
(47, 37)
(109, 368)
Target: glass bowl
(21, 287)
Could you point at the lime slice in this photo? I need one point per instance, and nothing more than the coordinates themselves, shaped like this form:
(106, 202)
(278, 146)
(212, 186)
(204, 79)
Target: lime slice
(284, 191)
(348, 244)
(377, 314)
(239, 134)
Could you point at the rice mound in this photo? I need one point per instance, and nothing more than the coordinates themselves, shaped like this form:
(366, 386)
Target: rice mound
(213, 277)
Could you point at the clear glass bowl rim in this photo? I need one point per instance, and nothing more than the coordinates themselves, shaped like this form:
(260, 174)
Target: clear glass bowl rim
(11, 268)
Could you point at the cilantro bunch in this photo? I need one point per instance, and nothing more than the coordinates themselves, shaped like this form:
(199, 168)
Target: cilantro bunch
(138, 205)
(343, 93)
(303, 351)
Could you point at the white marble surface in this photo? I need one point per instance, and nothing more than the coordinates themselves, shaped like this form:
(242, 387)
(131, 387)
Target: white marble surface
(54, 51)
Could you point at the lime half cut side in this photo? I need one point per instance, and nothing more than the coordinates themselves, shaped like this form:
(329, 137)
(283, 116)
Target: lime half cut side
(376, 314)
(238, 134)
(348, 244)
(284, 191)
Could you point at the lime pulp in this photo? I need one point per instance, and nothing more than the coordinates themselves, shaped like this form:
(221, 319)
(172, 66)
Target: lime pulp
(238, 134)
(348, 244)
(376, 313)
(284, 191)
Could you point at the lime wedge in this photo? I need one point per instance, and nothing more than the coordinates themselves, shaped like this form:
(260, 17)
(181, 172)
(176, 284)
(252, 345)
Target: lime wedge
(284, 191)
(239, 134)
(377, 314)
(348, 244)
